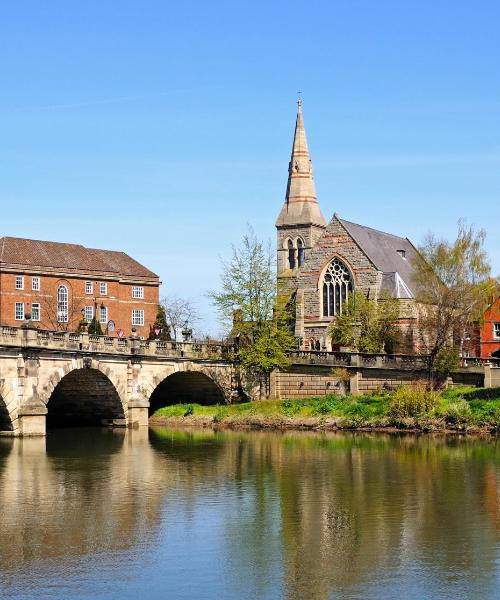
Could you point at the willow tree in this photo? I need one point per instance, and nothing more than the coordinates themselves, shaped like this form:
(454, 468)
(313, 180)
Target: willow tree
(249, 303)
(453, 287)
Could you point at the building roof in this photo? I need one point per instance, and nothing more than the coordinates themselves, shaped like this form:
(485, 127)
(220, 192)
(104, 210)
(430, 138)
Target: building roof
(301, 204)
(73, 257)
(391, 254)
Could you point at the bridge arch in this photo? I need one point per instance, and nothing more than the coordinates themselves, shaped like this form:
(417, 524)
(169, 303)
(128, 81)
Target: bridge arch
(6, 418)
(186, 387)
(82, 397)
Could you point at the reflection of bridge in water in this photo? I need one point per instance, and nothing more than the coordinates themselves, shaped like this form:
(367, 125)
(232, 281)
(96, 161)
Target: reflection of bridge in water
(322, 514)
(60, 378)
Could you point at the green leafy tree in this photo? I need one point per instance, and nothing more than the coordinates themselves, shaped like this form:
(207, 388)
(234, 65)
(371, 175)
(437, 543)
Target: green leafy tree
(262, 327)
(367, 325)
(453, 287)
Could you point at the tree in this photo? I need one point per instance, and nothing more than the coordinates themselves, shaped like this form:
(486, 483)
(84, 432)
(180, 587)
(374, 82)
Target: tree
(161, 324)
(95, 327)
(178, 312)
(51, 314)
(367, 325)
(262, 329)
(453, 287)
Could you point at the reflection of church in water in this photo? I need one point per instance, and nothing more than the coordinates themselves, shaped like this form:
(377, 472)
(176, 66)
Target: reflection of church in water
(324, 263)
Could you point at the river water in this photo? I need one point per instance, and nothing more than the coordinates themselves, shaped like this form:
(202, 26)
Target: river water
(101, 514)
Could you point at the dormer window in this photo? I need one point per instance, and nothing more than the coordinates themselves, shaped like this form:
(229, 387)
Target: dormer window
(402, 253)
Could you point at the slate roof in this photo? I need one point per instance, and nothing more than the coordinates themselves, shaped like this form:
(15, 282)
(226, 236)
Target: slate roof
(74, 257)
(382, 249)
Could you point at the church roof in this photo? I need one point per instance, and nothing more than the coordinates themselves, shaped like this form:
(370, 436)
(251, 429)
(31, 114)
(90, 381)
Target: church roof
(391, 254)
(72, 257)
(301, 204)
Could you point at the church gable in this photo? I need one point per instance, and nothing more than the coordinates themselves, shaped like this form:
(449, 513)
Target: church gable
(337, 241)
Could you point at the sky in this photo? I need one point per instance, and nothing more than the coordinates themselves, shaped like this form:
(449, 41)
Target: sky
(164, 128)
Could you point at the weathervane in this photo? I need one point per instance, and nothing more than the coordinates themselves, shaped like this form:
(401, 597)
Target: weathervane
(299, 101)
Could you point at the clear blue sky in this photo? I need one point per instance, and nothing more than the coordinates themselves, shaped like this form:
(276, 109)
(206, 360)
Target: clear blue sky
(162, 128)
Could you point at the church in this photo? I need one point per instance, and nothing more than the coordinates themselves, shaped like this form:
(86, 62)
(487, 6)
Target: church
(321, 264)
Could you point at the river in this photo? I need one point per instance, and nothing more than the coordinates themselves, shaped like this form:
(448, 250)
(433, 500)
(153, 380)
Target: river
(103, 514)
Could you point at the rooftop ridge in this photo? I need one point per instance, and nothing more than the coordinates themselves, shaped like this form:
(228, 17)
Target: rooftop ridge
(399, 237)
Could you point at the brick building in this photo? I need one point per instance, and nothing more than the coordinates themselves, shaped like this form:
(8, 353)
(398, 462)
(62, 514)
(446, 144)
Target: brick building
(323, 263)
(62, 284)
(490, 331)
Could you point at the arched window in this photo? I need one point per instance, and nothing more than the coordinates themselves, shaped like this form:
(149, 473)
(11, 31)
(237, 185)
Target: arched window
(291, 255)
(337, 285)
(62, 304)
(300, 252)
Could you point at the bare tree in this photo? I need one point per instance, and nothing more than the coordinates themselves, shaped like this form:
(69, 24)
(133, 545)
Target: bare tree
(57, 320)
(453, 287)
(179, 313)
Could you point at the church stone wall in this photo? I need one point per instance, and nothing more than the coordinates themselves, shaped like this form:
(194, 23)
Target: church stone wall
(335, 241)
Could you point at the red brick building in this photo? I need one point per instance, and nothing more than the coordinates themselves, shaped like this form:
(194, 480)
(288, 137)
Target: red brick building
(490, 331)
(62, 284)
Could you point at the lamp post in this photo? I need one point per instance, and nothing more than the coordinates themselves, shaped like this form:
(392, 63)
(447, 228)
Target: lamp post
(186, 332)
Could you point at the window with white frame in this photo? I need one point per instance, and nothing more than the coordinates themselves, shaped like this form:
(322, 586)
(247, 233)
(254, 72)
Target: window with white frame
(19, 282)
(137, 292)
(62, 304)
(35, 284)
(89, 287)
(496, 331)
(19, 311)
(337, 287)
(137, 316)
(103, 314)
(88, 313)
(35, 311)
(103, 288)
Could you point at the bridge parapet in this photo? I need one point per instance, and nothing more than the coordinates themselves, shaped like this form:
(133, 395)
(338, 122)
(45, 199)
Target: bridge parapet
(64, 340)
(378, 361)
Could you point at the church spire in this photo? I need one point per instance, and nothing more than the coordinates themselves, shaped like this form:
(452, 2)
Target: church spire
(301, 204)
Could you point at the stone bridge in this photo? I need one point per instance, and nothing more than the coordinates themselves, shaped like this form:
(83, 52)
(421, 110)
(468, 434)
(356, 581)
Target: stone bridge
(59, 378)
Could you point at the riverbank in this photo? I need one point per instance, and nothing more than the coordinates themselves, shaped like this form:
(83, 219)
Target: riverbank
(469, 410)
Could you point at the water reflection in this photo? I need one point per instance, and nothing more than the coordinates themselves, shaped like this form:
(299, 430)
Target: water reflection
(239, 515)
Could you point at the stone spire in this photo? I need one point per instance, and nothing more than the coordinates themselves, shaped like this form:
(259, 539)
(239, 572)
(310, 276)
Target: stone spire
(301, 205)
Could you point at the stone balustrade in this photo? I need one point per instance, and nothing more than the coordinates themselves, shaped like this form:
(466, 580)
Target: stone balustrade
(64, 340)
(378, 361)
(85, 342)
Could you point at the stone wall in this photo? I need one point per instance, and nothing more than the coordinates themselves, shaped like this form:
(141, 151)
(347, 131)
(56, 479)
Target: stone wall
(302, 381)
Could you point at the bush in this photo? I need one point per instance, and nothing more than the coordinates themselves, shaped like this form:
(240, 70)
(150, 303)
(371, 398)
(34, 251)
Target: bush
(188, 409)
(290, 407)
(220, 413)
(483, 394)
(412, 402)
(324, 406)
(458, 413)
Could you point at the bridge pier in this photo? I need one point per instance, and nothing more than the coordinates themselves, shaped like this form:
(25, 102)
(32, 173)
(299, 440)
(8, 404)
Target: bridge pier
(138, 413)
(32, 420)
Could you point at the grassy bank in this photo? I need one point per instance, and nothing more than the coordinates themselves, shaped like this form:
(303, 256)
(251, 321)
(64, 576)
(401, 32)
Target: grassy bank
(459, 409)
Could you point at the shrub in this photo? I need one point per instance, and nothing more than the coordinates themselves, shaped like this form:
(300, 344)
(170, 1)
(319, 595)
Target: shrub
(412, 402)
(324, 406)
(290, 407)
(494, 419)
(220, 413)
(360, 412)
(483, 394)
(458, 413)
(188, 409)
